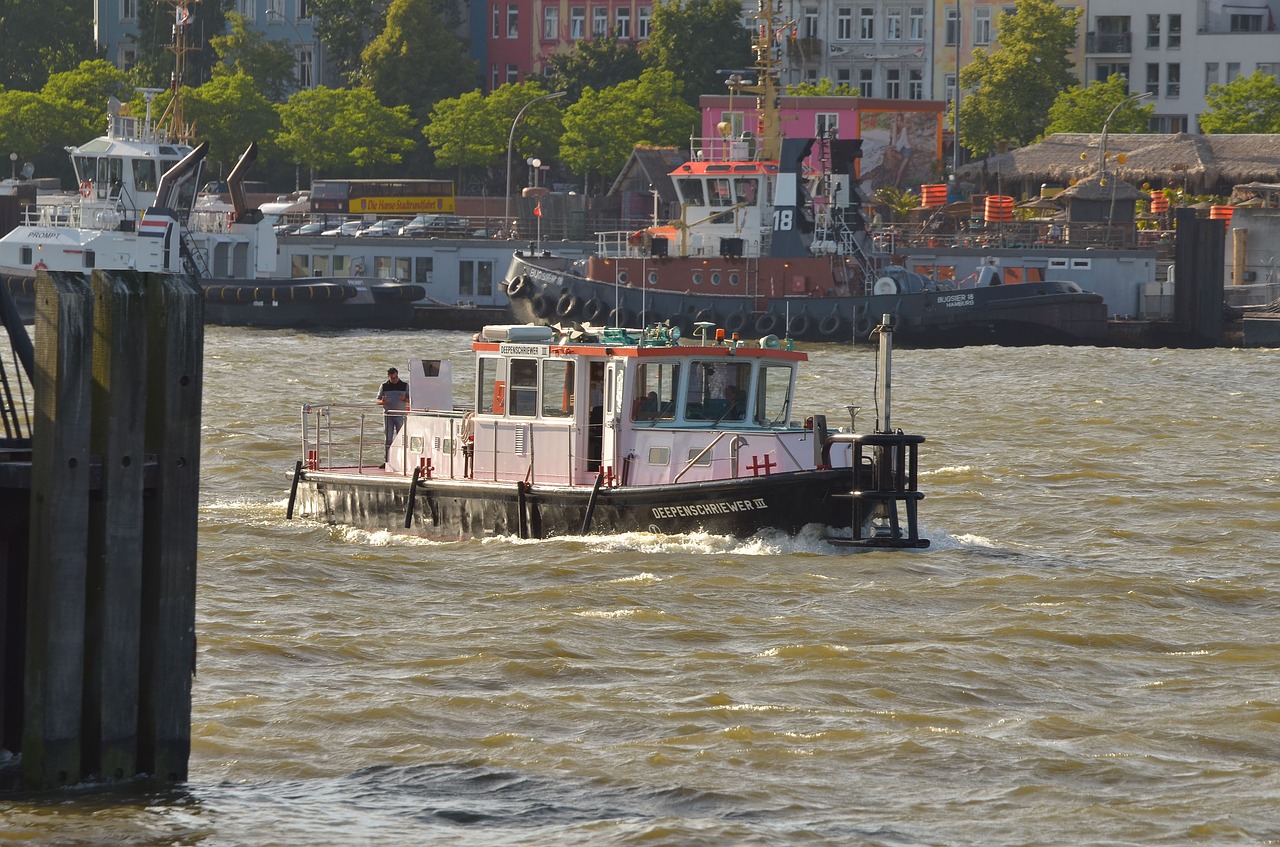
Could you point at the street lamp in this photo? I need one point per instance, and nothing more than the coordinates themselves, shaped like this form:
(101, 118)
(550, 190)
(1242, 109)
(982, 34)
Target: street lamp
(1133, 98)
(13, 167)
(955, 129)
(511, 139)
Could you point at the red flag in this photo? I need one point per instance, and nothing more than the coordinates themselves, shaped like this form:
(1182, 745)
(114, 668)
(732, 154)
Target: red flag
(537, 210)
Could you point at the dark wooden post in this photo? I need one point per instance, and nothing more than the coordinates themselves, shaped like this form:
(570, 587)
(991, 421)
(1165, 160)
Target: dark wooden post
(59, 520)
(175, 385)
(114, 611)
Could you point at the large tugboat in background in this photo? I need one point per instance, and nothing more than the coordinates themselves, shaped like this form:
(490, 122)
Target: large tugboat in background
(772, 239)
(608, 431)
(137, 209)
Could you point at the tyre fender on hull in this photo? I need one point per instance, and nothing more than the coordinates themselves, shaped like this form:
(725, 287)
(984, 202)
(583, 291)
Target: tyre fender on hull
(619, 318)
(735, 323)
(799, 325)
(766, 323)
(518, 287)
(542, 305)
(567, 305)
(594, 311)
(830, 325)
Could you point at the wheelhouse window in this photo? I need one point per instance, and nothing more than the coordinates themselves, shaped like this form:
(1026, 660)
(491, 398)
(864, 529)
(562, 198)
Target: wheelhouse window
(654, 397)
(718, 391)
(690, 189)
(522, 388)
(773, 395)
(490, 390)
(557, 388)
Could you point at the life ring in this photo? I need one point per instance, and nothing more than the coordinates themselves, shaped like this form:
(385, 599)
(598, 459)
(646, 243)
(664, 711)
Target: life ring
(829, 327)
(735, 323)
(542, 305)
(594, 310)
(39, 266)
(799, 325)
(619, 318)
(86, 188)
(518, 286)
(566, 305)
(766, 323)
(862, 328)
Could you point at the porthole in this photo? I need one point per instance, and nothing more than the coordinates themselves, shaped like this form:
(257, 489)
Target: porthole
(622, 277)
(697, 277)
(733, 278)
(653, 277)
(715, 277)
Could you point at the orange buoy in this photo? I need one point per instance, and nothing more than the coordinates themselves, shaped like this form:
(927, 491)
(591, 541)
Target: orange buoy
(998, 208)
(1159, 203)
(933, 195)
(1221, 213)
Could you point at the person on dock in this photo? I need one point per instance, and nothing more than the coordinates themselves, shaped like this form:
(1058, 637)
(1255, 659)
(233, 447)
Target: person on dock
(393, 397)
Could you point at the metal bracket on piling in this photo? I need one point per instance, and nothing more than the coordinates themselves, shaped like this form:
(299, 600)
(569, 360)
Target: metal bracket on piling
(413, 494)
(293, 490)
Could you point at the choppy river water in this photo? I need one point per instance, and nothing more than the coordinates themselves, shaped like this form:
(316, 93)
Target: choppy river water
(1089, 653)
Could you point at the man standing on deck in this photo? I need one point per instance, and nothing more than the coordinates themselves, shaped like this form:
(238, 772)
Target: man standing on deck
(393, 397)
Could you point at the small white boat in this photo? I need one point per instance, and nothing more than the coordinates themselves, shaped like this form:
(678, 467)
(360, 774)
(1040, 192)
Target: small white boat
(607, 430)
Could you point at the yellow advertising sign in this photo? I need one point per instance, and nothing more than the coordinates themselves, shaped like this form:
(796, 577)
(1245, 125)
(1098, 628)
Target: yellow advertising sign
(400, 205)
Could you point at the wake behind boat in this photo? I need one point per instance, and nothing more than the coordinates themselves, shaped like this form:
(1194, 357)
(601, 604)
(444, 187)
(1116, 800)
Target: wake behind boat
(608, 430)
(771, 238)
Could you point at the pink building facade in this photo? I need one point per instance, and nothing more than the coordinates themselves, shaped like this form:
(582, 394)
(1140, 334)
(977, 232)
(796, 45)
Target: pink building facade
(901, 140)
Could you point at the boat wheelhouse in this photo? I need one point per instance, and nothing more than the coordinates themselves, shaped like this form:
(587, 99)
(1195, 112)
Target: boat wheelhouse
(611, 430)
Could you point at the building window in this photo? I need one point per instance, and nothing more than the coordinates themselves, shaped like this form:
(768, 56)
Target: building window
(248, 8)
(1153, 32)
(1246, 23)
(915, 84)
(1173, 80)
(497, 80)
(1153, 79)
(424, 270)
(952, 35)
(844, 76)
(1210, 75)
(1269, 68)
(513, 20)
(893, 83)
(622, 22)
(811, 76)
(1233, 72)
(513, 73)
(915, 23)
(577, 23)
(1175, 32)
(844, 23)
(497, 21)
(304, 10)
(893, 25)
(949, 83)
(867, 23)
(735, 120)
(982, 25)
(306, 68)
(865, 79)
(550, 23)
(128, 10)
(644, 15)
(810, 22)
(128, 57)
(599, 21)
(826, 122)
(275, 8)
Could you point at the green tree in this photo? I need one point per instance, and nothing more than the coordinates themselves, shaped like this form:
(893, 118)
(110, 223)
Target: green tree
(1244, 105)
(75, 109)
(694, 40)
(36, 127)
(230, 112)
(598, 63)
(345, 27)
(42, 37)
(1011, 88)
(417, 60)
(822, 88)
(1085, 109)
(269, 63)
(473, 130)
(603, 127)
(336, 130)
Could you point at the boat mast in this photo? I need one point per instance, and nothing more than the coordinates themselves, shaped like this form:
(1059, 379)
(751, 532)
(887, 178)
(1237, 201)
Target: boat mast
(177, 128)
(766, 88)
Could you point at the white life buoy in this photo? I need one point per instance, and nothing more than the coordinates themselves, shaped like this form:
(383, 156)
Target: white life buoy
(39, 266)
(86, 188)
(886, 285)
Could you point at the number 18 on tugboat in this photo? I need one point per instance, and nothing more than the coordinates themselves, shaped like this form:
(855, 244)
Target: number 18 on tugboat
(602, 430)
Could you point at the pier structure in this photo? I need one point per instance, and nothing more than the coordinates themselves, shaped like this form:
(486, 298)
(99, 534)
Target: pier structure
(99, 482)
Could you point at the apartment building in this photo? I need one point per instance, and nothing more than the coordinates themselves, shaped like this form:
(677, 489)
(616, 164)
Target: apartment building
(1175, 50)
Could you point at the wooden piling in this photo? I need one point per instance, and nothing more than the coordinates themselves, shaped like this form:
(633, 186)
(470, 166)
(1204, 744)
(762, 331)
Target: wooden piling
(114, 578)
(175, 354)
(59, 533)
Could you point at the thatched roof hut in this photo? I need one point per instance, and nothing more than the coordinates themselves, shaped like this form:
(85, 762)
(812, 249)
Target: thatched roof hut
(1199, 164)
(1091, 200)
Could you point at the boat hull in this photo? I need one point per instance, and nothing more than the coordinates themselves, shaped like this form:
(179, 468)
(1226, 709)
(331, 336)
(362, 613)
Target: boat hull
(547, 291)
(453, 509)
(304, 303)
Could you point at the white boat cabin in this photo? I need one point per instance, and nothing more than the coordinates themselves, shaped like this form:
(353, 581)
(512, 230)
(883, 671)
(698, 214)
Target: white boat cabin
(635, 406)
